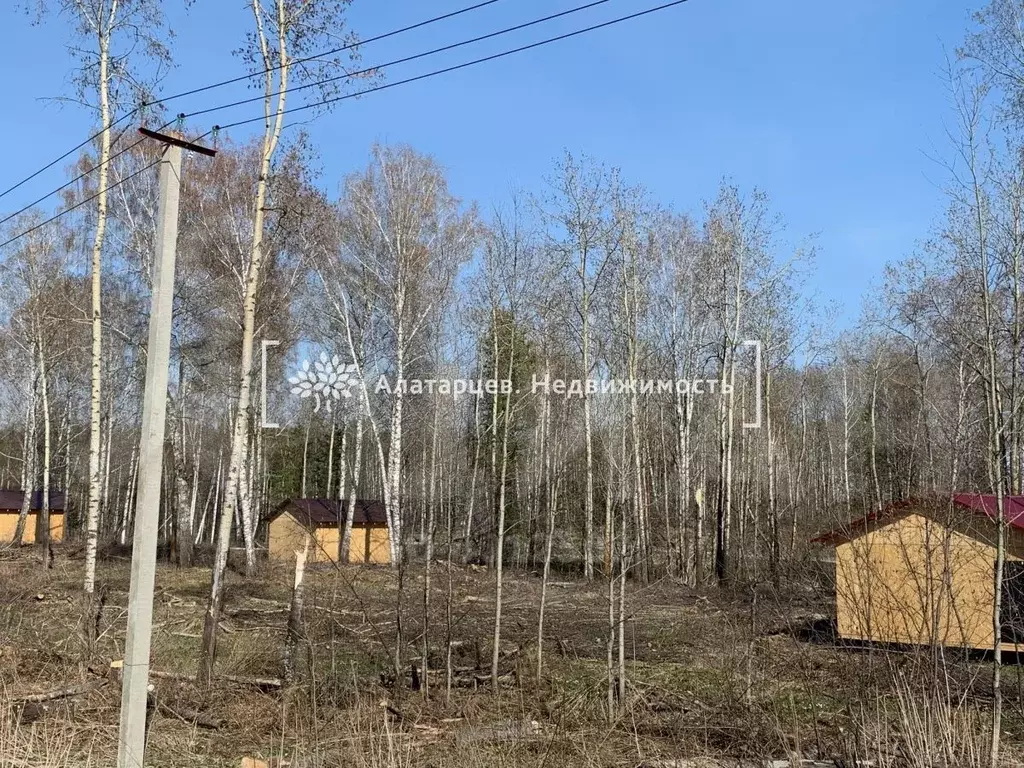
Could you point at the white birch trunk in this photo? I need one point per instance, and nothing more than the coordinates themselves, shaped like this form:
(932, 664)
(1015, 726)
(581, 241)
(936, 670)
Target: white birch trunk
(28, 463)
(92, 520)
(499, 554)
(43, 520)
(274, 117)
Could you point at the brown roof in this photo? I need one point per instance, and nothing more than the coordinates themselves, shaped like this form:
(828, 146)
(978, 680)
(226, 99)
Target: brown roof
(10, 501)
(319, 512)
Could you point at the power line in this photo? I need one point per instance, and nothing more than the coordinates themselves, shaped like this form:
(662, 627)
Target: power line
(79, 204)
(261, 97)
(242, 78)
(83, 174)
(406, 59)
(456, 67)
(385, 86)
(66, 155)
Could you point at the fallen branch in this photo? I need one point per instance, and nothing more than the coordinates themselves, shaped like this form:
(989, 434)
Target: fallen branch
(256, 682)
(60, 693)
(244, 610)
(455, 671)
(188, 715)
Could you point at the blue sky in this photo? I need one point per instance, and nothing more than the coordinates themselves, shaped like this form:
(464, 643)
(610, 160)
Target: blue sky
(837, 110)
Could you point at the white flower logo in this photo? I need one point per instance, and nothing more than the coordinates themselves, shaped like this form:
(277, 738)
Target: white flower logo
(328, 378)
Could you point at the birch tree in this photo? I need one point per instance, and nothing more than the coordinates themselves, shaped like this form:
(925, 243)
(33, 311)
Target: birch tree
(972, 232)
(511, 267)
(33, 285)
(120, 49)
(283, 32)
(577, 213)
(409, 237)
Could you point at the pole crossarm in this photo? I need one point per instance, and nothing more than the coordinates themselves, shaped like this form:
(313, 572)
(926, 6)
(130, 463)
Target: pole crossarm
(177, 141)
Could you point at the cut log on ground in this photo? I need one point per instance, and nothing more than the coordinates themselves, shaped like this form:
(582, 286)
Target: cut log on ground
(272, 683)
(59, 693)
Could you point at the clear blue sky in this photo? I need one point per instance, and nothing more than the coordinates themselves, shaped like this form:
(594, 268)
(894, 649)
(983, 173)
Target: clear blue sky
(835, 109)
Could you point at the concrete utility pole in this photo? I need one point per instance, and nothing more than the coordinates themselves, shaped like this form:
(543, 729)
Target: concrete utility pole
(135, 688)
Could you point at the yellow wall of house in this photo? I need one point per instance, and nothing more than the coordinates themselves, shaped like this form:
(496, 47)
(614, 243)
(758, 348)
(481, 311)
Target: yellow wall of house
(918, 581)
(357, 545)
(380, 545)
(56, 527)
(368, 539)
(327, 543)
(287, 535)
(9, 523)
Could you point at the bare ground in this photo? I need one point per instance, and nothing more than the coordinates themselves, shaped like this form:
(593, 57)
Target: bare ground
(700, 683)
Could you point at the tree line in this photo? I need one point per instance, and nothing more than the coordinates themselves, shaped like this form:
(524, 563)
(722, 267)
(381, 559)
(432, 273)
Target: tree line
(587, 277)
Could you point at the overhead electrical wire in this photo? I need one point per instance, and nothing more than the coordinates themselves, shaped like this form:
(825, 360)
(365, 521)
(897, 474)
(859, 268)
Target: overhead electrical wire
(347, 75)
(242, 78)
(79, 204)
(82, 175)
(404, 59)
(463, 65)
(385, 86)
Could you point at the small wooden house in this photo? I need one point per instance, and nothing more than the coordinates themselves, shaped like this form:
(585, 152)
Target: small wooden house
(321, 520)
(10, 509)
(922, 572)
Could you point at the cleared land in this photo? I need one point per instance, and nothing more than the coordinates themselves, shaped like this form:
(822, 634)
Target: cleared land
(701, 683)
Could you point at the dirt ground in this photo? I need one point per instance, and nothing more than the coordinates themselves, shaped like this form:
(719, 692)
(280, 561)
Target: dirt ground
(701, 683)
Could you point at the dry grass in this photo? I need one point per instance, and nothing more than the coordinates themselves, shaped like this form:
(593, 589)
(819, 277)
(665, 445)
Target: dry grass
(698, 686)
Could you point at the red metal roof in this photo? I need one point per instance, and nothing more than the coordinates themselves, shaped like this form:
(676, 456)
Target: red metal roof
(978, 503)
(1013, 506)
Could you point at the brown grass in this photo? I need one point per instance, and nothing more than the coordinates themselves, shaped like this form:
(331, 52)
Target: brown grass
(699, 685)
